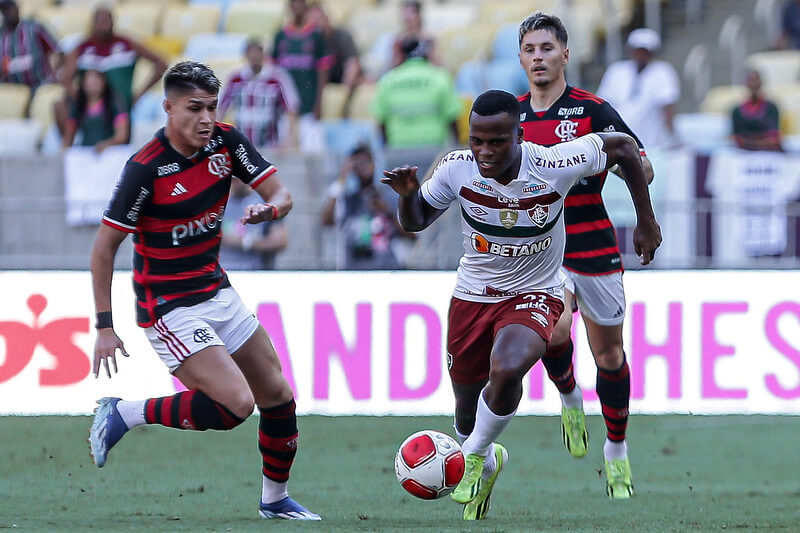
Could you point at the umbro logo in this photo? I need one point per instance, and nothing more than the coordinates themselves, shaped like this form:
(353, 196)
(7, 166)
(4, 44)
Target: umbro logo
(178, 190)
(522, 116)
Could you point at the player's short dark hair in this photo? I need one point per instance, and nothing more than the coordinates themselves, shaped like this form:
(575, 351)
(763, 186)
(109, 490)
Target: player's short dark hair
(494, 102)
(188, 76)
(540, 21)
(361, 149)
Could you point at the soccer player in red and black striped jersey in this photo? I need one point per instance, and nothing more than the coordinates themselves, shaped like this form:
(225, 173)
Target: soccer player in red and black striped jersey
(171, 196)
(554, 112)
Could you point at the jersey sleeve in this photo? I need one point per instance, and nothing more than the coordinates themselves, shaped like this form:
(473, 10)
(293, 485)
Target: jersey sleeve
(438, 191)
(248, 164)
(565, 163)
(132, 193)
(606, 119)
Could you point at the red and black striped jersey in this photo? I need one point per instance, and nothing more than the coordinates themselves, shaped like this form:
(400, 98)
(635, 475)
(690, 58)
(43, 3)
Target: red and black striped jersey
(591, 241)
(174, 206)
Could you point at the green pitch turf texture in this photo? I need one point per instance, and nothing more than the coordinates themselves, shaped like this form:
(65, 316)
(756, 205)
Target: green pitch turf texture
(691, 473)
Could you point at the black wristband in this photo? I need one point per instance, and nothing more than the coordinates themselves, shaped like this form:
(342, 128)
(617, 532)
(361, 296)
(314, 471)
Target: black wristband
(104, 320)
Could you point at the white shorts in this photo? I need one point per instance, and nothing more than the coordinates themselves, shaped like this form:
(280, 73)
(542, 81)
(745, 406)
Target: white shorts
(221, 321)
(601, 299)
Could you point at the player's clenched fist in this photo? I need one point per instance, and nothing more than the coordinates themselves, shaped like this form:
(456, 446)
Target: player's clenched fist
(257, 213)
(402, 179)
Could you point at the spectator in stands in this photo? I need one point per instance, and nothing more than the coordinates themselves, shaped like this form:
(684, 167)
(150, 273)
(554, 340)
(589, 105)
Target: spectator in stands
(300, 48)
(263, 99)
(112, 54)
(412, 29)
(644, 90)
(756, 121)
(26, 48)
(416, 103)
(345, 66)
(363, 214)
(790, 25)
(97, 114)
(250, 246)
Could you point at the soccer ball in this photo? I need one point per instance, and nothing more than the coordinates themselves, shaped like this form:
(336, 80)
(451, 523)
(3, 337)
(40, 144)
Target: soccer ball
(429, 464)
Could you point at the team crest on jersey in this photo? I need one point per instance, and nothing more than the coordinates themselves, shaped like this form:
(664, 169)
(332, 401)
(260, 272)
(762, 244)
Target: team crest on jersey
(539, 214)
(219, 165)
(566, 130)
(508, 218)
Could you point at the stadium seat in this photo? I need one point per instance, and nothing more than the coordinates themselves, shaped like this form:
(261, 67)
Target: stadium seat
(254, 18)
(437, 18)
(137, 20)
(471, 78)
(787, 97)
(782, 66)
(366, 25)
(703, 131)
(498, 12)
(723, 99)
(142, 72)
(14, 97)
(149, 108)
(20, 136)
(181, 22)
(463, 118)
(205, 46)
(339, 10)
(456, 46)
(506, 75)
(41, 108)
(66, 20)
(167, 47)
(505, 43)
(344, 135)
(333, 99)
(224, 67)
(29, 8)
(70, 42)
(361, 105)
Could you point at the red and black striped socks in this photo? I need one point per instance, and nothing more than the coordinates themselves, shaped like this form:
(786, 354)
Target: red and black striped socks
(614, 392)
(557, 360)
(277, 442)
(190, 409)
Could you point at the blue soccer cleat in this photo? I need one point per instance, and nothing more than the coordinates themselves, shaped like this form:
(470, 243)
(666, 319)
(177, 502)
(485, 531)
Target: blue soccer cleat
(287, 509)
(107, 429)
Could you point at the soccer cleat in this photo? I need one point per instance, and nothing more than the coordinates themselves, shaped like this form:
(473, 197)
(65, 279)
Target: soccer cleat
(573, 431)
(619, 480)
(470, 484)
(286, 509)
(479, 507)
(107, 429)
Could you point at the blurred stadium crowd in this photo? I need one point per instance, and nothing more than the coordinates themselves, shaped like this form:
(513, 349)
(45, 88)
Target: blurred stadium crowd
(324, 88)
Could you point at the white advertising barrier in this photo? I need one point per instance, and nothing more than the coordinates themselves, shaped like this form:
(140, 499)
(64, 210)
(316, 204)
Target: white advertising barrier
(374, 343)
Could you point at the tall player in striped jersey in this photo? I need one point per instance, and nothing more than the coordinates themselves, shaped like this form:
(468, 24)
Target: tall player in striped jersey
(553, 112)
(171, 196)
(510, 287)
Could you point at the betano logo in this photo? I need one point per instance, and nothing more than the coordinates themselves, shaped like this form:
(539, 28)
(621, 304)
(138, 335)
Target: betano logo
(481, 245)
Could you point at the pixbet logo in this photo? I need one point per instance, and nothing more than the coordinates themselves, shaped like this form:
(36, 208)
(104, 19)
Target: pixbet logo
(204, 224)
(21, 340)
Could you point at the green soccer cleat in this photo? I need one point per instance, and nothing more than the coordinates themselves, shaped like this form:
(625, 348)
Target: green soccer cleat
(479, 507)
(573, 431)
(470, 484)
(619, 480)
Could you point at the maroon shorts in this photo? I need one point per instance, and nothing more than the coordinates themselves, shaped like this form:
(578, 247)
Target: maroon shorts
(472, 326)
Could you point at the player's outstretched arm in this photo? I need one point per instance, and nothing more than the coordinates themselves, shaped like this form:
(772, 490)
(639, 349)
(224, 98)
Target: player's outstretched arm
(622, 150)
(105, 247)
(414, 212)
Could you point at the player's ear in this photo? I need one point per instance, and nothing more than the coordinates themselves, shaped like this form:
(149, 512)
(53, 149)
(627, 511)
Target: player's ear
(520, 135)
(566, 55)
(167, 105)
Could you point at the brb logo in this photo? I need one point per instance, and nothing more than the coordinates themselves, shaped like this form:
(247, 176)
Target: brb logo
(220, 165)
(204, 224)
(21, 340)
(566, 130)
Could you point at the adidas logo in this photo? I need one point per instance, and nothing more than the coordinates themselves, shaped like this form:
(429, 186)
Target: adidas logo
(179, 189)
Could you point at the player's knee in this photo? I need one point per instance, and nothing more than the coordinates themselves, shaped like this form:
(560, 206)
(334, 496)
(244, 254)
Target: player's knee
(242, 404)
(507, 372)
(610, 358)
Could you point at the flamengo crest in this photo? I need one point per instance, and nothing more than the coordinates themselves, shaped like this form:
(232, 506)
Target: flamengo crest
(539, 214)
(219, 165)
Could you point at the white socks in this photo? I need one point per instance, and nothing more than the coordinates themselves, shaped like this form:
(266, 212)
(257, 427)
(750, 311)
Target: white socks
(272, 491)
(488, 426)
(132, 413)
(573, 399)
(615, 450)
(460, 437)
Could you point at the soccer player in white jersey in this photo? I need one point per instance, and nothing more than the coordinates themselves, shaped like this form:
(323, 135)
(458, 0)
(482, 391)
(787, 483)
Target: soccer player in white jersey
(509, 290)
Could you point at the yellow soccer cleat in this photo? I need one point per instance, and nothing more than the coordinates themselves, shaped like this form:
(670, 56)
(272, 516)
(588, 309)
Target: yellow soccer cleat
(573, 431)
(619, 480)
(479, 507)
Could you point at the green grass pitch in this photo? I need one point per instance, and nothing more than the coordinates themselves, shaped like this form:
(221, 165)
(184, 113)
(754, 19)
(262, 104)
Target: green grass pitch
(691, 473)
